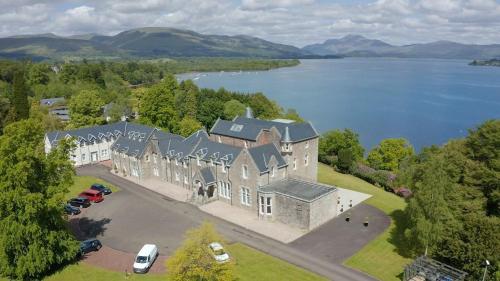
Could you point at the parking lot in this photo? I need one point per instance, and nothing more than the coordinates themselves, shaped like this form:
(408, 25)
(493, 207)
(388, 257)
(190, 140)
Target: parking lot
(134, 216)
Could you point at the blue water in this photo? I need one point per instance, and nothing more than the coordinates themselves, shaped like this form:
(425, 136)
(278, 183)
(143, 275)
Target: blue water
(425, 101)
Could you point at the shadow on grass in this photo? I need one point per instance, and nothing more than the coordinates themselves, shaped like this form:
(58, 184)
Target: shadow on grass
(397, 235)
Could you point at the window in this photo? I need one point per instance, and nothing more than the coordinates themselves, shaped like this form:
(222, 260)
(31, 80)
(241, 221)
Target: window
(156, 172)
(244, 171)
(236, 128)
(198, 161)
(168, 159)
(295, 163)
(246, 144)
(176, 162)
(224, 168)
(186, 180)
(147, 158)
(104, 153)
(306, 159)
(245, 196)
(224, 190)
(219, 139)
(177, 177)
(265, 205)
(307, 144)
(184, 164)
(211, 162)
(83, 156)
(287, 147)
(154, 158)
(273, 171)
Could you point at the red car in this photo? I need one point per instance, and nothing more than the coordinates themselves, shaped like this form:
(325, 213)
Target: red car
(93, 195)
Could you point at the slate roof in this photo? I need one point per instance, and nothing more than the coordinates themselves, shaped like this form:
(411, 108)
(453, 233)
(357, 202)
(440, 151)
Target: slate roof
(262, 154)
(90, 133)
(208, 150)
(135, 139)
(249, 128)
(176, 146)
(207, 175)
(299, 189)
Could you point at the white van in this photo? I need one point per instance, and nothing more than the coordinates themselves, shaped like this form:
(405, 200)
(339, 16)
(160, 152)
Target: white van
(145, 258)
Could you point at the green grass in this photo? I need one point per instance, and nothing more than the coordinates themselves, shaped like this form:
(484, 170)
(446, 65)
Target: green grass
(380, 257)
(251, 265)
(82, 183)
(254, 265)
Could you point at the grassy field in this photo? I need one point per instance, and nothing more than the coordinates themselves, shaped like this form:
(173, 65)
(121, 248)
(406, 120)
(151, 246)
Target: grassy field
(82, 183)
(379, 257)
(251, 265)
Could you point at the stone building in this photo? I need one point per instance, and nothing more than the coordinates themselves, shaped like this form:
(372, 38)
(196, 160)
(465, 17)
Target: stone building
(265, 167)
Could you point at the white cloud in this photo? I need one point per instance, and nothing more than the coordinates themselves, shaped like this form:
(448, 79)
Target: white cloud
(297, 22)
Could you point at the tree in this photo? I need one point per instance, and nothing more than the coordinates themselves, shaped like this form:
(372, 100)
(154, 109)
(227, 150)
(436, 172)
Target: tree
(156, 105)
(20, 96)
(233, 108)
(428, 212)
(85, 109)
(331, 142)
(33, 234)
(4, 111)
(345, 159)
(187, 126)
(389, 154)
(190, 101)
(292, 114)
(39, 74)
(194, 261)
(264, 108)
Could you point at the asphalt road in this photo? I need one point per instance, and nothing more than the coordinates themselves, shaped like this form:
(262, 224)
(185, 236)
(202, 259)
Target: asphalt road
(135, 215)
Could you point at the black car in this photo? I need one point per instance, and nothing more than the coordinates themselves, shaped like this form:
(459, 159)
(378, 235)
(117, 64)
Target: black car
(101, 188)
(79, 202)
(90, 245)
(71, 210)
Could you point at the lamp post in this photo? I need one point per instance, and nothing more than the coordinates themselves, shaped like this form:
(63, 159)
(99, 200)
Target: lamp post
(487, 263)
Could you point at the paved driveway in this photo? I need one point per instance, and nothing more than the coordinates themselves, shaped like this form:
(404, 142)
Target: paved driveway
(134, 216)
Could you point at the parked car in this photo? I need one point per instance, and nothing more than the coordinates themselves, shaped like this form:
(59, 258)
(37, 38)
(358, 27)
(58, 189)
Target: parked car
(93, 195)
(102, 188)
(71, 210)
(90, 245)
(218, 252)
(145, 258)
(81, 202)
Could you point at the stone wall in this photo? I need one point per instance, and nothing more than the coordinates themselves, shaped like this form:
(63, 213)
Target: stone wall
(323, 209)
(291, 211)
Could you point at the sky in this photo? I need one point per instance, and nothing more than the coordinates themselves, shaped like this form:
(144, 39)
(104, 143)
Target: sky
(295, 22)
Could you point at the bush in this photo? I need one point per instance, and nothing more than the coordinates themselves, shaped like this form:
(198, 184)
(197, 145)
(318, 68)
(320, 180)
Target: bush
(380, 178)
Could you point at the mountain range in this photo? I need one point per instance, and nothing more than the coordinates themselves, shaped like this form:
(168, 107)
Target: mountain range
(359, 46)
(155, 42)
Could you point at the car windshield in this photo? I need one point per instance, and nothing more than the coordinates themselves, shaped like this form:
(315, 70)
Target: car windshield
(219, 252)
(141, 259)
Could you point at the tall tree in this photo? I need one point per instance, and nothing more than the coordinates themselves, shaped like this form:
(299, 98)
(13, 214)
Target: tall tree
(194, 261)
(389, 154)
(331, 142)
(39, 74)
(4, 111)
(86, 109)
(157, 106)
(187, 126)
(20, 96)
(33, 234)
(233, 108)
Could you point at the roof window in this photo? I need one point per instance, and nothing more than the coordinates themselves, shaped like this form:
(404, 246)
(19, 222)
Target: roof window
(236, 128)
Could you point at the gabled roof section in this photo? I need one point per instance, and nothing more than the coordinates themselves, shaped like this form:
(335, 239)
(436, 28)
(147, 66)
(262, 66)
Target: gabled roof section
(249, 129)
(262, 154)
(207, 176)
(135, 140)
(208, 150)
(90, 133)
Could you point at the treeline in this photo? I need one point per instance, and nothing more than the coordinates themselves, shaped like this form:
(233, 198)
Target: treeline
(453, 213)
(183, 108)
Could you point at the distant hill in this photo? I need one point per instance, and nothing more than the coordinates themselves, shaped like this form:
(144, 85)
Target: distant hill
(146, 43)
(359, 46)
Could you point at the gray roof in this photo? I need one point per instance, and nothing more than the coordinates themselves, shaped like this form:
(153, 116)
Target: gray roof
(208, 150)
(51, 101)
(262, 154)
(90, 133)
(299, 189)
(176, 146)
(207, 175)
(249, 128)
(134, 141)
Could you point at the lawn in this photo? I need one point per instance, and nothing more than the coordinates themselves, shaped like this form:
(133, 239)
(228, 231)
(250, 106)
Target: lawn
(379, 257)
(82, 183)
(251, 265)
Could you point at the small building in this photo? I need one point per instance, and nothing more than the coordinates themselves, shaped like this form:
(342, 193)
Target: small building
(52, 101)
(427, 269)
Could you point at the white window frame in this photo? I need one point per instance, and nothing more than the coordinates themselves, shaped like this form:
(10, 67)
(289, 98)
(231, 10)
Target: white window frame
(154, 159)
(104, 153)
(273, 171)
(245, 196)
(156, 171)
(306, 159)
(186, 179)
(244, 171)
(225, 190)
(184, 164)
(294, 163)
(266, 205)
